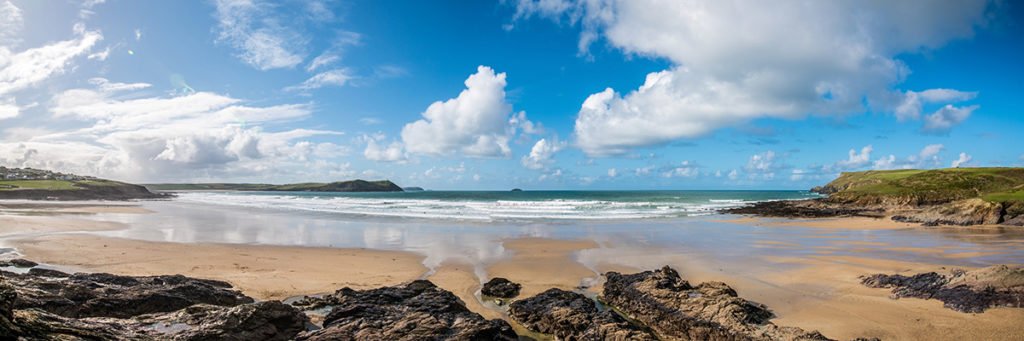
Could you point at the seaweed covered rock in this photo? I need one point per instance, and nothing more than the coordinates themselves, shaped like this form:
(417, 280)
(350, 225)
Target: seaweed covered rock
(963, 291)
(501, 288)
(572, 316)
(676, 310)
(418, 310)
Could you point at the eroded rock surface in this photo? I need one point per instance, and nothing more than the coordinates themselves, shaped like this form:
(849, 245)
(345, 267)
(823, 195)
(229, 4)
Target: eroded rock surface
(418, 310)
(249, 321)
(501, 288)
(106, 295)
(572, 316)
(964, 291)
(961, 213)
(676, 310)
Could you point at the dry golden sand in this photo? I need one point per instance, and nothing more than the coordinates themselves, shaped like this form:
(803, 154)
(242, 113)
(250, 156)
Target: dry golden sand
(813, 292)
(264, 272)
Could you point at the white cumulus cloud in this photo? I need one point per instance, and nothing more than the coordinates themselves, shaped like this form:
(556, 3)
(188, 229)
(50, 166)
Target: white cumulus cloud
(734, 62)
(542, 154)
(962, 160)
(476, 123)
(944, 119)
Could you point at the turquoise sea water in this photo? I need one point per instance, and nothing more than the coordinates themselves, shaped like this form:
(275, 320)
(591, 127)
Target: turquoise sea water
(501, 205)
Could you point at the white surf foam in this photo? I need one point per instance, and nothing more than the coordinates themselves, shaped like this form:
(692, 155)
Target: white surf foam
(478, 210)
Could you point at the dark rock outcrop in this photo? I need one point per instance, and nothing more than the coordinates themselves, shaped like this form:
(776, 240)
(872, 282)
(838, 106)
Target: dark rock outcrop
(270, 320)
(418, 310)
(19, 319)
(814, 208)
(676, 310)
(501, 288)
(571, 316)
(18, 262)
(964, 291)
(106, 295)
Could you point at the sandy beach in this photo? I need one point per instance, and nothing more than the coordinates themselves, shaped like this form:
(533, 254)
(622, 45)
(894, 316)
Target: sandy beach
(820, 292)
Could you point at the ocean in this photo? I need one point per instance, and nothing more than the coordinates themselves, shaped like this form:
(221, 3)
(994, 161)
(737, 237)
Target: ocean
(501, 205)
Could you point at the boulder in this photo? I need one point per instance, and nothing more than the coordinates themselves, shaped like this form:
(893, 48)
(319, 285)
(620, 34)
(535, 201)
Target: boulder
(572, 316)
(676, 310)
(418, 310)
(963, 291)
(501, 288)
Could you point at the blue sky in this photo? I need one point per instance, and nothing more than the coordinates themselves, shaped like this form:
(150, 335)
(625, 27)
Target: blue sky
(552, 94)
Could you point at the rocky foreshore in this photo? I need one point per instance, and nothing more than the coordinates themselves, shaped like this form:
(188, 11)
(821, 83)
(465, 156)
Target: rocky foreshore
(964, 291)
(44, 304)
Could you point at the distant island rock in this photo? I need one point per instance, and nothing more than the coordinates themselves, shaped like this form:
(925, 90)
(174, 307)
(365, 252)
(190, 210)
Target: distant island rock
(339, 186)
(37, 184)
(413, 189)
(517, 190)
(954, 196)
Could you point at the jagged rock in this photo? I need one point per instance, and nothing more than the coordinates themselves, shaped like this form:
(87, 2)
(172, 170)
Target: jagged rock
(501, 288)
(571, 316)
(964, 291)
(106, 295)
(22, 263)
(961, 213)
(813, 208)
(675, 310)
(270, 320)
(418, 310)
(48, 273)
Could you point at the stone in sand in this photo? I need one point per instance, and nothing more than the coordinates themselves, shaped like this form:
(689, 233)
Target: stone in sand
(418, 310)
(571, 316)
(963, 291)
(501, 288)
(675, 310)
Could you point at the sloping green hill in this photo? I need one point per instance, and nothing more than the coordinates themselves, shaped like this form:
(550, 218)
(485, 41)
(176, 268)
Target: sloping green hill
(340, 186)
(926, 187)
(91, 189)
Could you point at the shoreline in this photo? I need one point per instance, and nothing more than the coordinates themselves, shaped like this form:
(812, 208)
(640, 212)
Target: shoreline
(815, 292)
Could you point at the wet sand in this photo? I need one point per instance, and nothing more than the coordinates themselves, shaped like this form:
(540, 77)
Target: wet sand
(853, 223)
(816, 291)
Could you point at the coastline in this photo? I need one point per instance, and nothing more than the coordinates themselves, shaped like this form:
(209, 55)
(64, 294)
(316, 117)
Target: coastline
(820, 292)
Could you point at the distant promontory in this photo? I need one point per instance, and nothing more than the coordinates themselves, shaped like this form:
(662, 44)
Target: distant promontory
(339, 186)
(38, 184)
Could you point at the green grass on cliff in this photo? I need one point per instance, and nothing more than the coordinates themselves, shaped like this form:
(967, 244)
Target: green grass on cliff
(7, 185)
(933, 186)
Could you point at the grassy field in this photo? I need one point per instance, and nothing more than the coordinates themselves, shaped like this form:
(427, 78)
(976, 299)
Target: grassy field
(37, 184)
(993, 184)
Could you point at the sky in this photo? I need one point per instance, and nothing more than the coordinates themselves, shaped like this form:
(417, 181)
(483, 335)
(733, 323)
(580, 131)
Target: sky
(535, 94)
